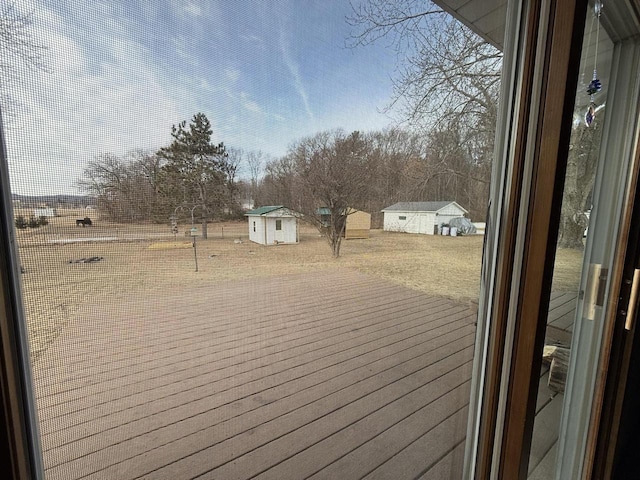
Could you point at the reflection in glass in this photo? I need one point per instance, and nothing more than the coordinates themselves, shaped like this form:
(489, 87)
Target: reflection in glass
(569, 296)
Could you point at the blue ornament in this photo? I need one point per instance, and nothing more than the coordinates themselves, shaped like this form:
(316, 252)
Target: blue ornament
(594, 87)
(590, 115)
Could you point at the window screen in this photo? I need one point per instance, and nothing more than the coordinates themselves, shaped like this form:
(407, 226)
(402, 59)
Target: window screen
(142, 137)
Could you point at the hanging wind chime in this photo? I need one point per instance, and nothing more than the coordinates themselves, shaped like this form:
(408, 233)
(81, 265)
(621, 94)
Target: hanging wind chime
(595, 85)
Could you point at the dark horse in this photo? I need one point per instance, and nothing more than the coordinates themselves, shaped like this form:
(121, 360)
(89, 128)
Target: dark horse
(86, 221)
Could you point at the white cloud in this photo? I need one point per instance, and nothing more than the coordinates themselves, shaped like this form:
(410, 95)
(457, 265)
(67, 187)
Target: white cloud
(193, 9)
(122, 76)
(232, 74)
(293, 68)
(249, 104)
(83, 108)
(183, 48)
(254, 40)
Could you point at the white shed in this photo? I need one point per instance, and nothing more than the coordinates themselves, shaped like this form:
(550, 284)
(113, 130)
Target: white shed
(44, 212)
(420, 217)
(272, 225)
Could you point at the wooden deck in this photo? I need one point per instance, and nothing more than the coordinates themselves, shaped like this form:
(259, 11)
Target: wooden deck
(323, 375)
(562, 310)
(560, 322)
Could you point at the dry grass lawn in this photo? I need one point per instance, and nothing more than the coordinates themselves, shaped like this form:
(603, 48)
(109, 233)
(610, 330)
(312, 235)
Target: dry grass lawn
(148, 258)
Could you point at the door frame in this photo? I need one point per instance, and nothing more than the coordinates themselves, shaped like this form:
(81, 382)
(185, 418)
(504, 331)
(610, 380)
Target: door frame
(540, 78)
(19, 437)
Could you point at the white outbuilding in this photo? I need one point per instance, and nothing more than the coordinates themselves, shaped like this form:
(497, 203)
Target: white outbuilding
(44, 212)
(272, 225)
(420, 217)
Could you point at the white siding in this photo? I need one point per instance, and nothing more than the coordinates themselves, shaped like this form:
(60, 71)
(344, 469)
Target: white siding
(398, 221)
(447, 213)
(44, 212)
(452, 209)
(424, 222)
(265, 228)
(428, 224)
(413, 222)
(480, 227)
(288, 234)
(256, 234)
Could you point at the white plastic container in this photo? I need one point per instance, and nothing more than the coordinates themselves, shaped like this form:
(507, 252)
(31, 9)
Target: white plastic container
(445, 231)
(454, 231)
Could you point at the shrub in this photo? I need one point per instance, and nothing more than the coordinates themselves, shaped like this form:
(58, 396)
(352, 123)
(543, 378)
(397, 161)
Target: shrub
(21, 223)
(34, 222)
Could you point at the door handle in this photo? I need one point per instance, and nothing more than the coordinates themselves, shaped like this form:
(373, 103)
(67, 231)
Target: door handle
(633, 300)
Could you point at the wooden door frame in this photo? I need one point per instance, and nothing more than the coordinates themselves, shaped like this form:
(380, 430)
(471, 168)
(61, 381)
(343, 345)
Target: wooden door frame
(550, 42)
(562, 52)
(518, 92)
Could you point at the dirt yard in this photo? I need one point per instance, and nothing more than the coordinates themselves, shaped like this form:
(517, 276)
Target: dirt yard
(149, 258)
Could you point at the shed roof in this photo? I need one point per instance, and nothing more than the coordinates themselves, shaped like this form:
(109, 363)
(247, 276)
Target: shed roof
(420, 206)
(264, 210)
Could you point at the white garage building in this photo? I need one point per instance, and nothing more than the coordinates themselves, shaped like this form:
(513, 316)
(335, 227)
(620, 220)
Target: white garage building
(272, 225)
(420, 217)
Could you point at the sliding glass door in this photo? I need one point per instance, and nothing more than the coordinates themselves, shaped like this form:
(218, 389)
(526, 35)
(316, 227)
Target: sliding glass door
(585, 286)
(569, 140)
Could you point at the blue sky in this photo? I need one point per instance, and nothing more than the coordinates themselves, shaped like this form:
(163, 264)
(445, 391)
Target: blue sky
(122, 73)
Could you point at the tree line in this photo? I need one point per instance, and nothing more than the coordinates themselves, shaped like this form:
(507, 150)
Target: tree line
(376, 169)
(332, 169)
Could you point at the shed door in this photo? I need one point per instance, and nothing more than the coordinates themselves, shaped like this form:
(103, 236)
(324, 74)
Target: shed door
(279, 233)
(426, 223)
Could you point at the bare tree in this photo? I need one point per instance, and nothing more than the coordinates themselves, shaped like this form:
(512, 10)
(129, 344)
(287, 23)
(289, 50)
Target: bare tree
(277, 185)
(126, 188)
(19, 49)
(401, 166)
(445, 70)
(332, 178)
(396, 159)
(446, 86)
(230, 166)
(256, 162)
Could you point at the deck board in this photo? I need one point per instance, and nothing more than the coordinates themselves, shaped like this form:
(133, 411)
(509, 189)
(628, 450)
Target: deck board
(449, 467)
(549, 404)
(402, 436)
(562, 311)
(331, 374)
(253, 377)
(429, 450)
(546, 467)
(545, 430)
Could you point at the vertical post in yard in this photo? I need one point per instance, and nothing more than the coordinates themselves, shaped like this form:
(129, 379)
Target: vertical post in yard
(195, 253)
(194, 233)
(222, 232)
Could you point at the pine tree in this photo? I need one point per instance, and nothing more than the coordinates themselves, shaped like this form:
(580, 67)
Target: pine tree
(194, 175)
